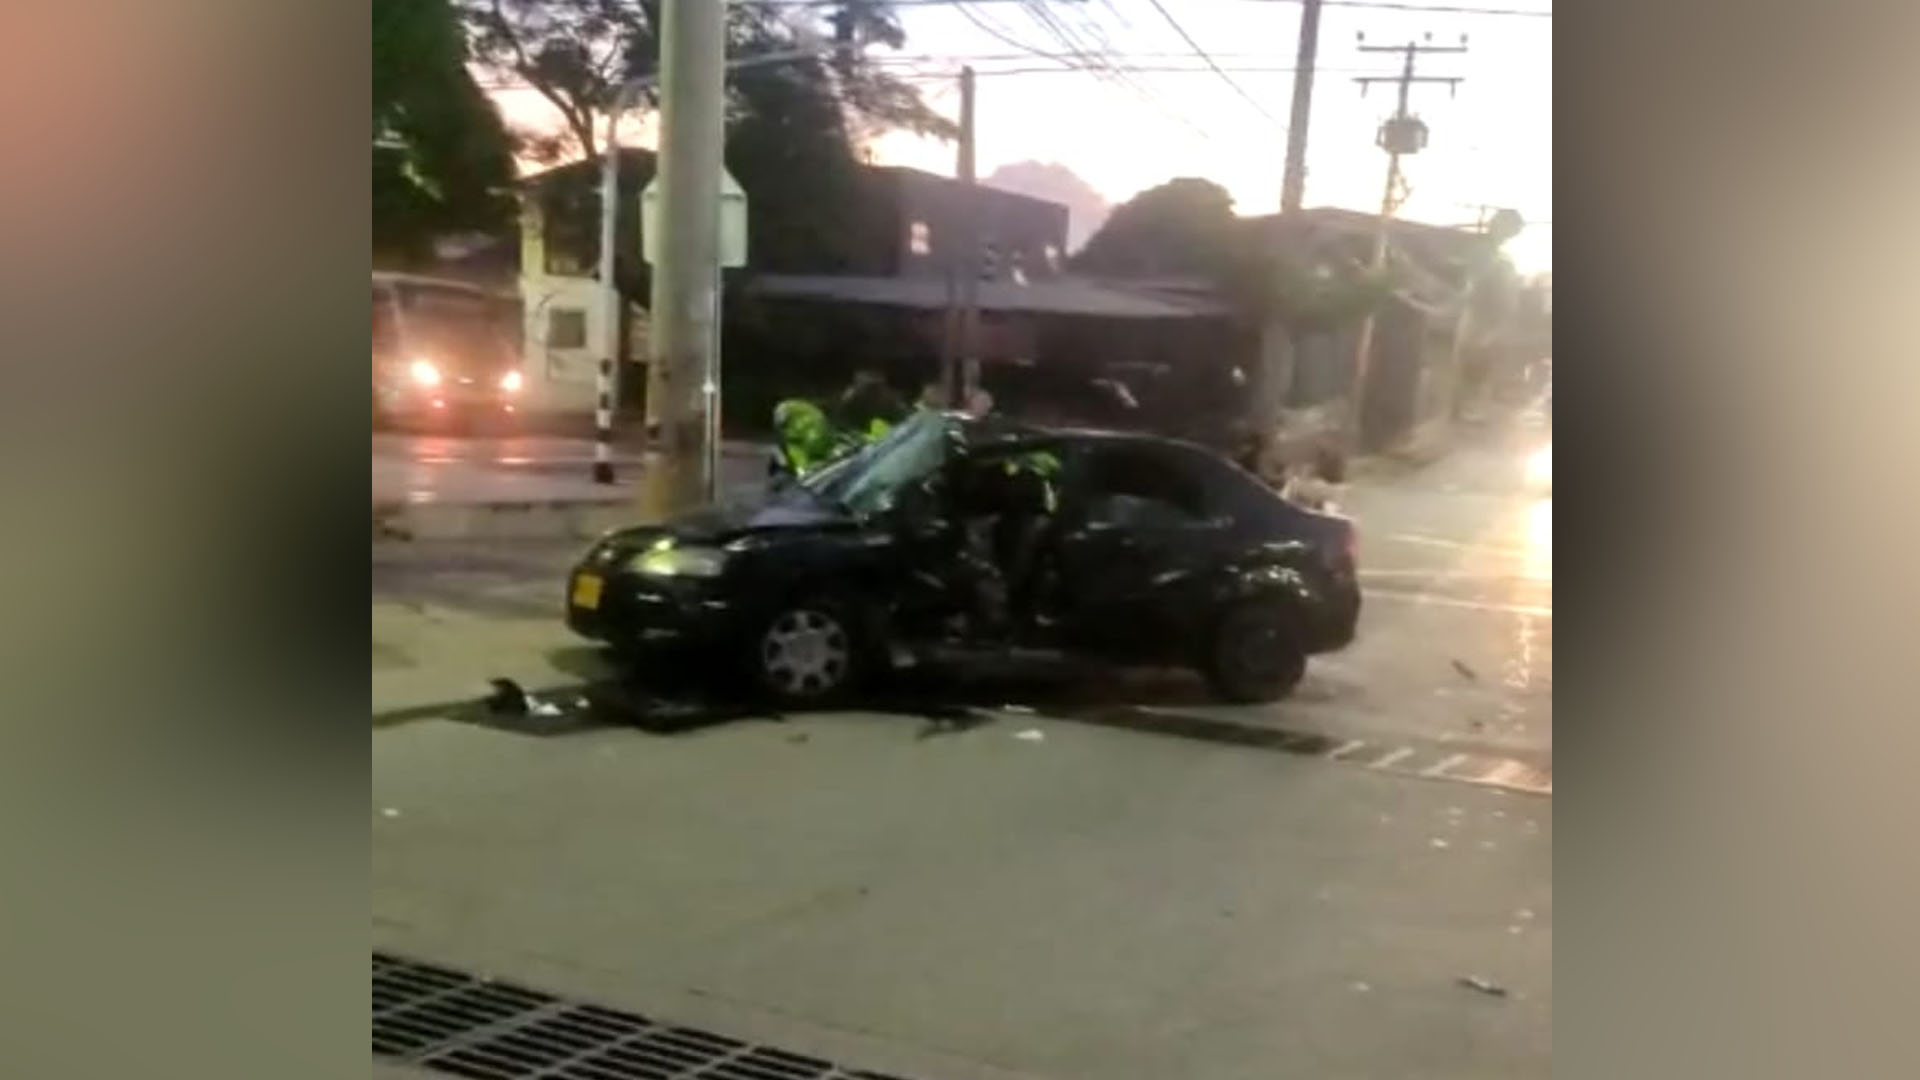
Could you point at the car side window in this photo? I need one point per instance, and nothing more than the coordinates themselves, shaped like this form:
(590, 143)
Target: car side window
(1132, 487)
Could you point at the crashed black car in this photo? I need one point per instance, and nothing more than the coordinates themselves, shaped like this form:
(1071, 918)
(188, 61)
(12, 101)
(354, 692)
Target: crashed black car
(1146, 551)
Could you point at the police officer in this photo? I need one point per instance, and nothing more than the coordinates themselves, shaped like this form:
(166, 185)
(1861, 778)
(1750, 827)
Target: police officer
(868, 407)
(805, 439)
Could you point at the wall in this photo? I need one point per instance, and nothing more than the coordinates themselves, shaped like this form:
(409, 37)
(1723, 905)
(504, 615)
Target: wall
(562, 375)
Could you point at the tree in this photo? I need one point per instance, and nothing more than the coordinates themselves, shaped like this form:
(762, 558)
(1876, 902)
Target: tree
(1184, 227)
(577, 54)
(442, 159)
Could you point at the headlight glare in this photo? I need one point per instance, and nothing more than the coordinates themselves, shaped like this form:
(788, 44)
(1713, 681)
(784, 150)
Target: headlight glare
(691, 562)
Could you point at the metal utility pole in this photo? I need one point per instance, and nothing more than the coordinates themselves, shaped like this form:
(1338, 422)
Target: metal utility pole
(1401, 134)
(611, 305)
(1293, 188)
(959, 364)
(970, 270)
(685, 326)
(607, 381)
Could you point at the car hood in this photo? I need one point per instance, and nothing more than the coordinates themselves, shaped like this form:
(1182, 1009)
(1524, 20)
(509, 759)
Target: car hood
(786, 512)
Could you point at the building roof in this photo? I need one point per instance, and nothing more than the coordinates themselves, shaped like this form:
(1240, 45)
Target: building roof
(1041, 296)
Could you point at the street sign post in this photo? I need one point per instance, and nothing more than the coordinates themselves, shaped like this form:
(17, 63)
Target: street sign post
(733, 221)
(733, 254)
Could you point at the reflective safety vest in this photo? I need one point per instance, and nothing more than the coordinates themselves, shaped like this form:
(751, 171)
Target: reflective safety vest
(806, 438)
(1043, 467)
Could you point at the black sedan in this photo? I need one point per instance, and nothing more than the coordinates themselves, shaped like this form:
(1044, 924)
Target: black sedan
(1147, 551)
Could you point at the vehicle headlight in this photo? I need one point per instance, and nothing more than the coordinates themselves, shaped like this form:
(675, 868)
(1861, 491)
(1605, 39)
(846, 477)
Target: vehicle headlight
(511, 382)
(424, 373)
(1540, 466)
(663, 560)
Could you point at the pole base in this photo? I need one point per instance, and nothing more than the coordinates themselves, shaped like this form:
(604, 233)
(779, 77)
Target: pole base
(603, 472)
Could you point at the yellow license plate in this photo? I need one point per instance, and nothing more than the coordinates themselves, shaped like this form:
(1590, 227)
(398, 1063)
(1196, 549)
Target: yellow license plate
(586, 591)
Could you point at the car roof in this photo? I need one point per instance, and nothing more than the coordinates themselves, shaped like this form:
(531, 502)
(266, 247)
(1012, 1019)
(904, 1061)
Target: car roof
(995, 431)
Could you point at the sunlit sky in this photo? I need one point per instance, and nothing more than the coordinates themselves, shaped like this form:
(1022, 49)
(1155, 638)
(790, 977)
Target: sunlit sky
(1492, 142)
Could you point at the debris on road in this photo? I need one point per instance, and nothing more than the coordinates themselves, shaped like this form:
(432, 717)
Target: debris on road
(1466, 672)
(1439, 843)
(389, 812)
(542, 709)
(507, 698)
(1475, 982)
(1031, 735)
(798, 737)
(1361, 986)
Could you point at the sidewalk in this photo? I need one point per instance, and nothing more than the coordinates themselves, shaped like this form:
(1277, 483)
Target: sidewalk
(448, 497)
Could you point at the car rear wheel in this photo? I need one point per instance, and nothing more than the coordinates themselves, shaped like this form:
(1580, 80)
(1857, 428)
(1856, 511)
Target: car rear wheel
(1255, 656)
(807, 653)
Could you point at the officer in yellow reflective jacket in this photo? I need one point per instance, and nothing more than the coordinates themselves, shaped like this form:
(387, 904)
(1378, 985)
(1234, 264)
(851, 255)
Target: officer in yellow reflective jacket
(806, 440)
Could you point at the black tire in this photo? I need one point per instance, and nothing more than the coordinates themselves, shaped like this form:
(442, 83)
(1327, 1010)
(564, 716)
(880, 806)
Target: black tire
(826, 654)
(1255, 656)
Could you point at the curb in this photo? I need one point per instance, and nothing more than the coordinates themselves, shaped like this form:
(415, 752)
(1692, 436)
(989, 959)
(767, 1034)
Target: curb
(540, 520)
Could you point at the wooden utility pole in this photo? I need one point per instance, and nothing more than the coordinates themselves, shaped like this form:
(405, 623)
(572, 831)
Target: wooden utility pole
(1293, 187)
(1401, 134)
(685, 316)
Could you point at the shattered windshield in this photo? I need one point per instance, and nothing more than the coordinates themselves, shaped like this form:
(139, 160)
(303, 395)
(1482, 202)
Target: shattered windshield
(867, 482)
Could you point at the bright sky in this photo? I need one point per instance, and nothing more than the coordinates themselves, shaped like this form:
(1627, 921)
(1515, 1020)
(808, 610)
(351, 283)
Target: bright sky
(1491, 144)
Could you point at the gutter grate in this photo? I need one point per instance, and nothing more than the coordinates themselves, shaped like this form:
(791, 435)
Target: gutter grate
(462, 1025)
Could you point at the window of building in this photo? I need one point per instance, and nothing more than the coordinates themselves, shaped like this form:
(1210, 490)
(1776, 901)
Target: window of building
(566, 328)
(920, 238)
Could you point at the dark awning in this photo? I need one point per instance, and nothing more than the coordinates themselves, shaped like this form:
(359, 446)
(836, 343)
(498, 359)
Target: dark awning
(1044, 296)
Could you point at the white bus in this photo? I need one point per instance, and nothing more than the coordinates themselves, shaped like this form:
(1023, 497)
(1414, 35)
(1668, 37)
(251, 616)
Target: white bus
(445, 353)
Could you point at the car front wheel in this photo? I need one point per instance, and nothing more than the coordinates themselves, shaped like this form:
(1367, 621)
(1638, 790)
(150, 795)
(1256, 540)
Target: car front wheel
(807, 653)
(1255, 655)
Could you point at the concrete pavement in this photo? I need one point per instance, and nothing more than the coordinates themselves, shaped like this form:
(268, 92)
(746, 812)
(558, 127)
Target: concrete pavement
(1097, 904)
(1101, 901)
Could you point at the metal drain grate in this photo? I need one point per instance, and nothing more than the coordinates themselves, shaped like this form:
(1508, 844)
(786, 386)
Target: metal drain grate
(456, 1023)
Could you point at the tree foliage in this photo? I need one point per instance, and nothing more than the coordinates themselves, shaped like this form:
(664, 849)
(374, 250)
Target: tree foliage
(442, 159)
(1184, 227)
(578, 53)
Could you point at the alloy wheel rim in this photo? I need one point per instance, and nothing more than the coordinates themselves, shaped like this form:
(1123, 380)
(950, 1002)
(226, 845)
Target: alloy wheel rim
(805, 653)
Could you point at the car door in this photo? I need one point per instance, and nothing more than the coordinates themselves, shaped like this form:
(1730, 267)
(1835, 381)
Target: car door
(1142, 531)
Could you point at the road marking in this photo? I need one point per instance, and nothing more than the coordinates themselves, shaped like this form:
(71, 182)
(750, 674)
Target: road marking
(1458, 575)
(1504, 773)
(1455, 545)
(1445, 764)
(1470, 605)
(1399, 755)
(1345, 748)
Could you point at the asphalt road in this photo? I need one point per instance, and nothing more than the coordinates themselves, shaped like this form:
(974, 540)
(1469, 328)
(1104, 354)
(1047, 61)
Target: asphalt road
(1034, 893)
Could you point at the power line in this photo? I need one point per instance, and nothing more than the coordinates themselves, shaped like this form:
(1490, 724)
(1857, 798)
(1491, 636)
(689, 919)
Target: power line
(1202, 54)
(1078, 58)
(1385, 5)
(1425, 9)
(1070, 69)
